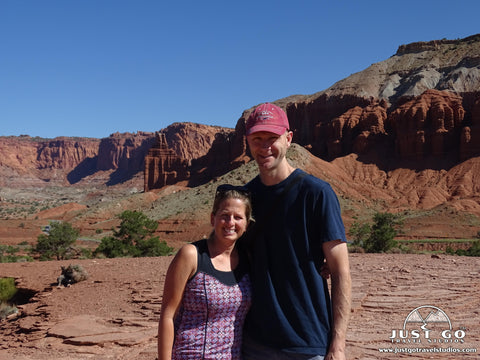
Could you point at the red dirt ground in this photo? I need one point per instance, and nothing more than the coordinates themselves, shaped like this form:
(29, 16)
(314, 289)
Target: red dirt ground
(114, 313)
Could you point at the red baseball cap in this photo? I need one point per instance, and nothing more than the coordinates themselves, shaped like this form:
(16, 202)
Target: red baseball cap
(267, 117)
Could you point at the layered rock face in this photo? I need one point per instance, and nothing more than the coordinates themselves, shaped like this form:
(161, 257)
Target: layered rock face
(162, 165)
(26, 161)
(421, 103)
(124, 151)
(435, 124)
(23, 152)
(63, 161)
(428, 125)
(181, 152)
(65, 153)
(203, 152)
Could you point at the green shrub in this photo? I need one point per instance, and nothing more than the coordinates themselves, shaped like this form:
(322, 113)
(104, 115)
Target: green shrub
(474, 250)
(7, 288)
(379, 237)
(56, 243)
(133, 238)
(112, 247)
(86, 253)
(360, 233)
(154, 247)
(383, 232)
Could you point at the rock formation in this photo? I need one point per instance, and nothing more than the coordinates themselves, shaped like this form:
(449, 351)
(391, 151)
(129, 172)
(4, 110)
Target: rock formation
(26, 161)
(65, 153)
(422, 103)
(124, 151)
(186, 151)
(428, 125)
(162, 165)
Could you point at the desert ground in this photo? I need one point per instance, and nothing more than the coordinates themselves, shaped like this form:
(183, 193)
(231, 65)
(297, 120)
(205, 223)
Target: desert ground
(114, 313)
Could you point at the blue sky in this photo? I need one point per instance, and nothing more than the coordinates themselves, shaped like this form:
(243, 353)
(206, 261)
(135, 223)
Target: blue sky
(94, 67)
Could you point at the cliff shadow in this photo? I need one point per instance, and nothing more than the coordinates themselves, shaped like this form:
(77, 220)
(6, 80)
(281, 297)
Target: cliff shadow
(86, 168)
(216, 162)
(120, 176)
(131, 163)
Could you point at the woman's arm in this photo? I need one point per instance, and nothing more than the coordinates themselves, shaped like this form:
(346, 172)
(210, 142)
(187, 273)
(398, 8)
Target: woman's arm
(181, 269)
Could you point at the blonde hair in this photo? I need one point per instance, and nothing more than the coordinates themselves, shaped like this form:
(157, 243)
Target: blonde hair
(227, 191)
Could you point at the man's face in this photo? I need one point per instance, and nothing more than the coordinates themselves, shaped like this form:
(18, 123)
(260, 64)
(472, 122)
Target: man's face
(269, 149)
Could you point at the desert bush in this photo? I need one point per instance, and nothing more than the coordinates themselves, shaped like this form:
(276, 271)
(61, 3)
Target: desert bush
(86, 253)
(57, 242)
(384, 229)
(6, 310)
(154, 247)
(71, 275)
(8, 254)
(449, 250)
(378, 237)
(474, 250)
(133, 238)
(7, 288)
(112, 247)
(360, 233)
(356, 249)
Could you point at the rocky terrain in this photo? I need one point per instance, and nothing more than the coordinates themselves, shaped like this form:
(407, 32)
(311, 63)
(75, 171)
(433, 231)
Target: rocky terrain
(114, 313)
(402, 136)
(434, 204)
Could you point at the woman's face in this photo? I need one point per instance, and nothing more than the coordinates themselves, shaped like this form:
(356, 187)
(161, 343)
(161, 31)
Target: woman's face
(230, 222)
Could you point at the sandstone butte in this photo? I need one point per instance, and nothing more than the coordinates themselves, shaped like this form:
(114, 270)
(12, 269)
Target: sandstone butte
(401, 136)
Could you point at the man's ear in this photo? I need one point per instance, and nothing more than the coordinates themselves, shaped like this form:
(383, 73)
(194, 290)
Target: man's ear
(289, 137)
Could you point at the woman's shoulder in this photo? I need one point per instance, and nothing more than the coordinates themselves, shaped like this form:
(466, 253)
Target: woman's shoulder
(188, 252)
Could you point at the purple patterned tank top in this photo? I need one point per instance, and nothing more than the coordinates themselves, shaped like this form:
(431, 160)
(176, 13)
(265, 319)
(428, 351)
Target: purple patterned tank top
(210, 320)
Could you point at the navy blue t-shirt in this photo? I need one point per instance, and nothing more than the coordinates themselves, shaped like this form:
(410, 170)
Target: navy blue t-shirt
(291, 307)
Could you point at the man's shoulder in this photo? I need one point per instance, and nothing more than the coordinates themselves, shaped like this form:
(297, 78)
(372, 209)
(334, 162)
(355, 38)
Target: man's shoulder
(255, 182)
(314, 182)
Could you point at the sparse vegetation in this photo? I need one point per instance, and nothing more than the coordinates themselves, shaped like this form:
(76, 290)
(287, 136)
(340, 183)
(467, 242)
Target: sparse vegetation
(133, 238)
(7, 291)
(8, 254)
(6, 310)
(379, 236)
(474, 250)
(71, 275)
(57, 242)
(7, 288)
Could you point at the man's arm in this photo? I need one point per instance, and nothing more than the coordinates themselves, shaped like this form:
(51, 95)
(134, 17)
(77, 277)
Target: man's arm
(336, 254)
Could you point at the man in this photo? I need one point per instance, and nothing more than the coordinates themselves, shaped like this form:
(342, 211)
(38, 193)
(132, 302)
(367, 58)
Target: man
(298, 227)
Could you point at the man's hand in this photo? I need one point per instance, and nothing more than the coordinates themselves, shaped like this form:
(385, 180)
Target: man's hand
(335, 355)
(325, 271)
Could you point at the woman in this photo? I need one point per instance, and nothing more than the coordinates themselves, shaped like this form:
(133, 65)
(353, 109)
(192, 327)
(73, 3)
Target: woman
(207, 290)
